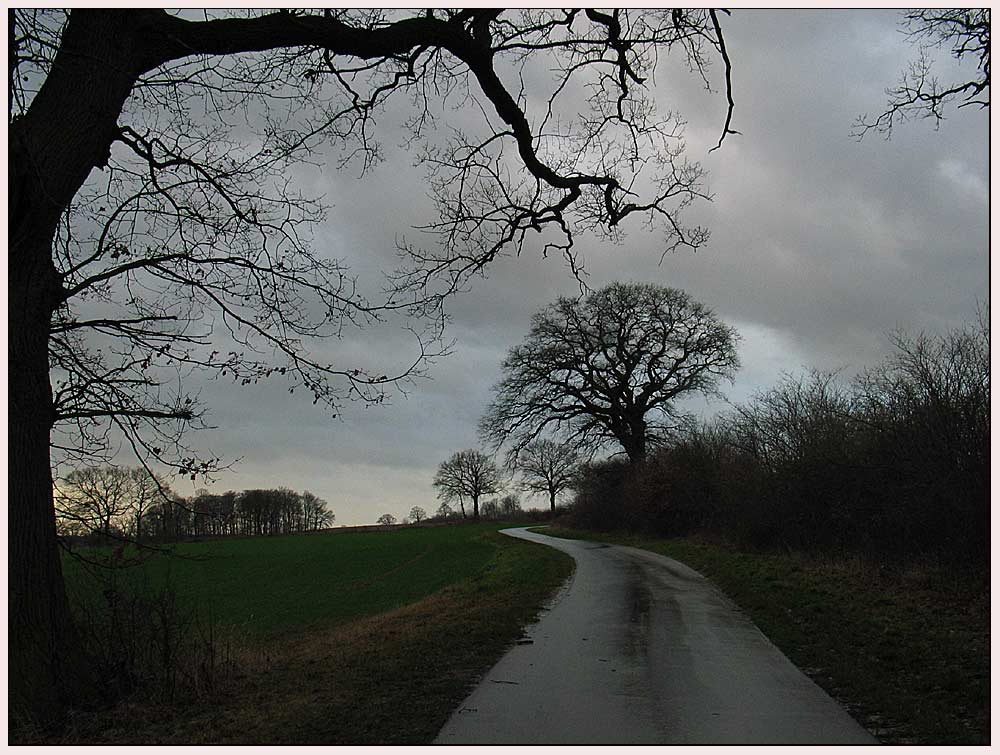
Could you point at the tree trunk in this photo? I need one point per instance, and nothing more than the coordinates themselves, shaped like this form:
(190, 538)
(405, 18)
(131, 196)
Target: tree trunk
(552, 503)
(475, 508)
(634, 448)
(67, 131)
(633, 440)
(46, 664)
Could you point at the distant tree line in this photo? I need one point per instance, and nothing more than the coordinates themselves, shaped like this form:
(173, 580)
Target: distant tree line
(544, 467)
(893, 464)
(115, 503)
(507, 508)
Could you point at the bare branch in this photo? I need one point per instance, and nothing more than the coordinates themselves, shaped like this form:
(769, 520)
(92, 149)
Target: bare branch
(919, 94)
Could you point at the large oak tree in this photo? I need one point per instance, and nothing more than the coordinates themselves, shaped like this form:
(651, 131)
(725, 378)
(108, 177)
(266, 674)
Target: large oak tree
(608, 368)
(154, 229)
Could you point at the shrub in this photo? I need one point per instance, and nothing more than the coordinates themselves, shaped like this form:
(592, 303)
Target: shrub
(597, 503)
(893, 466)
(142, 638)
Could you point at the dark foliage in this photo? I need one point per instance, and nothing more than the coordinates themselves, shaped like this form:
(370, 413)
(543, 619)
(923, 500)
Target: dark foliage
(893, 466)
(599, 491)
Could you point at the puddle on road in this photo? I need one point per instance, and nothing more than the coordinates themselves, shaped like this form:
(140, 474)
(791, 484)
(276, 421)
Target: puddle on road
(638, 605)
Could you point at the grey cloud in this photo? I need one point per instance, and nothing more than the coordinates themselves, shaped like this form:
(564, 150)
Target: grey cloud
(820, 245)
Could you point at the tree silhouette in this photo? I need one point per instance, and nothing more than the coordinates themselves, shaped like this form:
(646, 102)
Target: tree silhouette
(548, 467)
(608, 369)
(108, 501)
(188, 250)
(509, 505)
(468, 473)
(315, 512)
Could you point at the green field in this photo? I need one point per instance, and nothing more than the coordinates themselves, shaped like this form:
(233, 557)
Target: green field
(906, 651)
(351, 637)
(274, 584)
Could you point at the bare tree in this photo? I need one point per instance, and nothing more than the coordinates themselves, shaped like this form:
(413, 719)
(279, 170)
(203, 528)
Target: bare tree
(919, 94)
(810, 411)
(110, 501)
(188, 250)
(468, 473)
(444, 511)
(147, 492)
(929, 402)
(498, 508)
(97, 498)
(212, 513)
(606, 369)
(316, 512)
(490, 509)
(548, 467)
(417, 514)
(509, 505)
(386, 520)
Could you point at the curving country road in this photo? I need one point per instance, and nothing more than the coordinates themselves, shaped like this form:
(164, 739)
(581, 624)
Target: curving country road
(639, 649)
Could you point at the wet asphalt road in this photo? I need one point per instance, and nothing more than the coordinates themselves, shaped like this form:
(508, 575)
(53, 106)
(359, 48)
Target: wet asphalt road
(639, 649)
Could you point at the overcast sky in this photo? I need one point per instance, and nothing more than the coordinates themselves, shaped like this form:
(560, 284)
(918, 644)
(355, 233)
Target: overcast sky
(820, 246)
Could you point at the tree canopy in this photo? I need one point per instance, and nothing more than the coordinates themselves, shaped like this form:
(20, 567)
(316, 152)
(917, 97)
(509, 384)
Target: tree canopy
(608, 368)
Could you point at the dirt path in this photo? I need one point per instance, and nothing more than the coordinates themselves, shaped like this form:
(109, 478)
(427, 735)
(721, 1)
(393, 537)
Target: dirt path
(640, 649)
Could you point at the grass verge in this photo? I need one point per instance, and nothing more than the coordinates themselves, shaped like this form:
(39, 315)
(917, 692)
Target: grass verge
(377, 677)
(907, 653)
